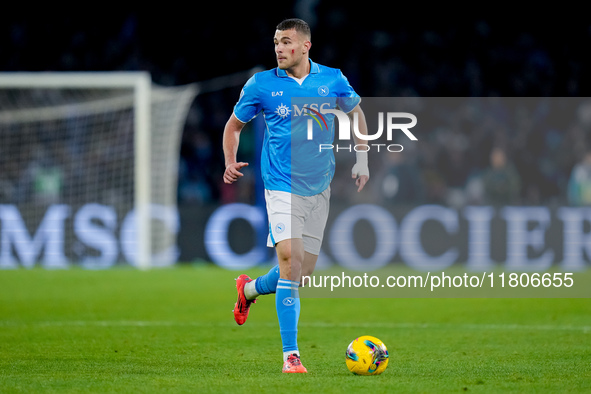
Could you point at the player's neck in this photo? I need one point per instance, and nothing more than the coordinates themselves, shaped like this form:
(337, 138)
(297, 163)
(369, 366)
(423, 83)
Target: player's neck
(300, 70)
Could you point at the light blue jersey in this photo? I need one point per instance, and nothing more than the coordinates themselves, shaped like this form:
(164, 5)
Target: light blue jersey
(290, 162)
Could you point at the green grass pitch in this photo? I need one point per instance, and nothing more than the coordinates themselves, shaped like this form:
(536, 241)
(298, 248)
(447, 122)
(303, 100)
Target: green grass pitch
(172, 330)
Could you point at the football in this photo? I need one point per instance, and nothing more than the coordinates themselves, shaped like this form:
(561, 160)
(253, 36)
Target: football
(367, 355)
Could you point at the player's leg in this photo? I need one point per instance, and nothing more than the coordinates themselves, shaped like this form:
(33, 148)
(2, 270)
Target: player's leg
(309, 215)
(287, 234)
(279, 213)
(263, 285)
(249, 289)
(280, 228)
(290, 254)
(285, 229)
(308, 267)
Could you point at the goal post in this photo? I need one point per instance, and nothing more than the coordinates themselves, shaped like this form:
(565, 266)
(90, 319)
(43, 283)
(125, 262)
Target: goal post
(97, 110)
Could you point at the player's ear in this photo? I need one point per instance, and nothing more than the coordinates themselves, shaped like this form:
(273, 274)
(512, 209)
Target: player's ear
(307, 46)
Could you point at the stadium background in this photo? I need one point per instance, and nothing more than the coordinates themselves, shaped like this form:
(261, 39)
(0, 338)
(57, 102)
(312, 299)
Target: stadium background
(130, 330)
(383, 55)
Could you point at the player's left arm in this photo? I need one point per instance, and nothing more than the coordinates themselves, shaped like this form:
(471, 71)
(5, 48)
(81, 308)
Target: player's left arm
(360, 171)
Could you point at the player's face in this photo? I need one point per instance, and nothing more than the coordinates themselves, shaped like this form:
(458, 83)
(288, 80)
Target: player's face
(290, 48)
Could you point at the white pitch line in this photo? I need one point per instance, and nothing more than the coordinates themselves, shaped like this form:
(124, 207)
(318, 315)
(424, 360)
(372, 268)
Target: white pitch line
(231, 324)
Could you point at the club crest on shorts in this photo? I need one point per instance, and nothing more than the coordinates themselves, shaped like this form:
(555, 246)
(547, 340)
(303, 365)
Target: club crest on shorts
(279, 228)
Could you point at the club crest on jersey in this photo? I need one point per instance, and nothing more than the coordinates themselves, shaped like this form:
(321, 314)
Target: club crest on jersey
(323, 91)
(283, 111)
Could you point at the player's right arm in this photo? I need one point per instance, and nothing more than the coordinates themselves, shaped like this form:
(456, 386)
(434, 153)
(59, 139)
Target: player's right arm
(247, 107)
(230, 141)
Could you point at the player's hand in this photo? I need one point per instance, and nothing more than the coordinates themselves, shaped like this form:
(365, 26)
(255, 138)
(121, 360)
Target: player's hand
(360, 181)
(360, 171)
(232, 173)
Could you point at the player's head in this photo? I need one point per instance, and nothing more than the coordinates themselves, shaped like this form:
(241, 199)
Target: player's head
(292, 42)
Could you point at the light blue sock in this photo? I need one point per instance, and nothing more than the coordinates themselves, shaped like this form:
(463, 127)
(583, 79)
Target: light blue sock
(267, 283)
(287, 302)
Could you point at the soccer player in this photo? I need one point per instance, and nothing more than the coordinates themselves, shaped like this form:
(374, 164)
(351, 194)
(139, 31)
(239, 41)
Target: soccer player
(297, 206)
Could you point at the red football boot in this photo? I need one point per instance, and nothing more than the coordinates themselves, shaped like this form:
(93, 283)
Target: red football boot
(293, 365)
(242, 306)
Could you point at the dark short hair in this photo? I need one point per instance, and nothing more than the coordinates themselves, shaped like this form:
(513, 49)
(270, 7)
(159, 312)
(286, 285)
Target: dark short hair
(295, 23)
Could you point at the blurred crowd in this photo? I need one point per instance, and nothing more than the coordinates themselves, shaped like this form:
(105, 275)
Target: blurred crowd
(535, 153)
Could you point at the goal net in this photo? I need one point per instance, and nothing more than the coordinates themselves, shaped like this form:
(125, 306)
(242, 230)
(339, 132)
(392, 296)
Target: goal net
(89, 168)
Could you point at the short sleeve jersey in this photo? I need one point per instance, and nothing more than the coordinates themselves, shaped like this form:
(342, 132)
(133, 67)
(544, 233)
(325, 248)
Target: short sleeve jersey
(290, 160)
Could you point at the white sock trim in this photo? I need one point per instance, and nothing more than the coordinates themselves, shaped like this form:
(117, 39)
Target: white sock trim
(250, 290)
(285, 283)
(287, 354)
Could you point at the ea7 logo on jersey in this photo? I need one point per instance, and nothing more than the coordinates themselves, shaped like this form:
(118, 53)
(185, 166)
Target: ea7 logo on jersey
(276, 94)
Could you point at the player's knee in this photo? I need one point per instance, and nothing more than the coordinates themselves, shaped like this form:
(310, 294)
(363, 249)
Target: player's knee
(290, 265)
(289, 269)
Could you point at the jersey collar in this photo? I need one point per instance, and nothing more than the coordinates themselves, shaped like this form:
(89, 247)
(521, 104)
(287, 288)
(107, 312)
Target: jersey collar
(314, 69)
